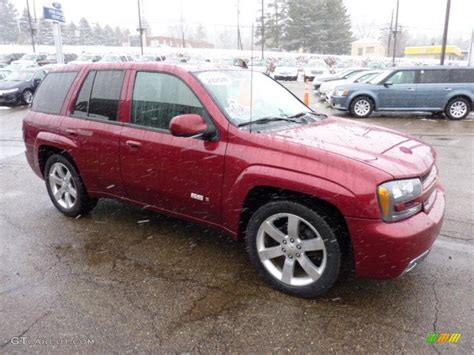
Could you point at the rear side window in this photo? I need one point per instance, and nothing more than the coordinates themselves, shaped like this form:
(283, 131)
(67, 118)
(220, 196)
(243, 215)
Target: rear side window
(462, 76)
(438, 76)
(49, 97)
(99, 95)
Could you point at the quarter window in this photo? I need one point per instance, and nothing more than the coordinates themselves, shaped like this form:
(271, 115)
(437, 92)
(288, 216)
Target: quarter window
(158, 97)
(462, 76)
(49, 97)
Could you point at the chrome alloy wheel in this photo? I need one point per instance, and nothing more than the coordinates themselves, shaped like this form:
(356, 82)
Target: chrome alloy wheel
(458, 109)
(291, 249)
(28, 97)
(362, 107)
(62, 185)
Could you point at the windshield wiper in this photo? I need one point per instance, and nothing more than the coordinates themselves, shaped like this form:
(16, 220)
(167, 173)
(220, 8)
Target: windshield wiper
(268, 119)
(305, 113)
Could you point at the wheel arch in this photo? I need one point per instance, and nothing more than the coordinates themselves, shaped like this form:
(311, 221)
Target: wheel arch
(45, 151)
(263, 194)
(459, 96)
(368, 95)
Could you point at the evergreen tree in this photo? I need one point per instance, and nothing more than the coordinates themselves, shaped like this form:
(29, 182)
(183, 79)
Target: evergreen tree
(24, 35)
(85, 33)
(118, 37)
(98, 35)
(70, 34)
(8, 26)
(109, 36)
(275, 23)
(45, 32)
(335, 30)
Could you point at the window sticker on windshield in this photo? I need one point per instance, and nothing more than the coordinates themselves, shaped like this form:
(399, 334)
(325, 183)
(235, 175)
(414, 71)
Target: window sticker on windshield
(214, 78)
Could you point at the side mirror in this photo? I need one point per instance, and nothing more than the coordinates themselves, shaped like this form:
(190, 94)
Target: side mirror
(189, 125)
(387, 84)
(36, 81)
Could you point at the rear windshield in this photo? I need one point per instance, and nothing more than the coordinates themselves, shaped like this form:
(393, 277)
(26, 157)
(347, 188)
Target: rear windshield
(49, 97)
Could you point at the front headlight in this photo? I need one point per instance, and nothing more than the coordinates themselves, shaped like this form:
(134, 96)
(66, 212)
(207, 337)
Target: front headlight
(400, 199)
(341, 93)
(9, 91)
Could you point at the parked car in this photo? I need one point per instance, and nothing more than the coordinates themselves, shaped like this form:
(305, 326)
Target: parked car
(286, 69)
(86, 58)
(112, 58)
(51, 58)
(326, 89)
(7, 58)
(340, 74)
(4, 72)
(19, 86)
(29, 60)
(435, 89)
(309, 193)
(315, 67)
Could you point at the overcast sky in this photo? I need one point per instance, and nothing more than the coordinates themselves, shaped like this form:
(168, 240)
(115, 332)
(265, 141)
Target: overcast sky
(418, 16)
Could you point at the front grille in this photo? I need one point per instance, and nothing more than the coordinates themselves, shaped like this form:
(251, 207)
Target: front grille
(428, 179)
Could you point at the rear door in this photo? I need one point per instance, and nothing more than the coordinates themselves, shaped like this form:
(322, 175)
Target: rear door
(181, 175)
(398, 91)
(433, 89)
(93, 126)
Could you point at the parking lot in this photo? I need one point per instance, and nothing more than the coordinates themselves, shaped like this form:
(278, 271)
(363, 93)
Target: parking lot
(125, 279)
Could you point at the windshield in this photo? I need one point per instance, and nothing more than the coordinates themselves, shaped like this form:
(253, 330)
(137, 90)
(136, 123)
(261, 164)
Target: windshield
(112, 58)
(377, 79)
(287, 63)
(29, 57)
(22, 75)
(316, 63)
(231, 89)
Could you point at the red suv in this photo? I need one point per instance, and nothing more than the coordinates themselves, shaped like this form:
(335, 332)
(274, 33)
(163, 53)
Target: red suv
(237, 151)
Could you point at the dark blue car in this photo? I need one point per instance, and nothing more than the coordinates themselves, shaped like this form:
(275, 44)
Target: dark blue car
(432, 89)
(19, 86)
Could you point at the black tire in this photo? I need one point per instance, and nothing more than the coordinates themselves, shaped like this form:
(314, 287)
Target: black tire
(459, 101)
(27, 97)
(332, 251)
(364, 101)
(83, 204)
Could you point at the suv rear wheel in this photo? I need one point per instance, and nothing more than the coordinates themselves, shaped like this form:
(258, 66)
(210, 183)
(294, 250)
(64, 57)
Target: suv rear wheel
(65, 187)
(361, 107)
(293, 248)
(458, 108)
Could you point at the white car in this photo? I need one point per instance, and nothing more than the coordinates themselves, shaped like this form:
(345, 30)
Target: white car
(327, 88)
(86, 58)
(341, 74)
(29, 60)
(314, 68)
(286, 70)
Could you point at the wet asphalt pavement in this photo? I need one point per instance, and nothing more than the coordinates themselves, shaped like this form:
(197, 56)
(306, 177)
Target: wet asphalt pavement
(127, 280)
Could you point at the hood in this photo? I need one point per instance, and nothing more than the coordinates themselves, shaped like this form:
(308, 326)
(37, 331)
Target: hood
(355, 86)
(23, 61)
(5, 85)
(392, 152)
(331, 84)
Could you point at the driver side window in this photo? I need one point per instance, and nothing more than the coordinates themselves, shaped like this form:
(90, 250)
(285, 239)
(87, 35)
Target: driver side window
(403, 77)
(158, 97)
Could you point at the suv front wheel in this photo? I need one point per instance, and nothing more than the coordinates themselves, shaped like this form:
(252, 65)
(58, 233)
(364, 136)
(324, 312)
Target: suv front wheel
(458, 108)
(65, 187)
(361, 107)
(293, 248)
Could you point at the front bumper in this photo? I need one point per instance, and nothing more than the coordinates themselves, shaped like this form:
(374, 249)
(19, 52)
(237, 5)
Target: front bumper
(9, 99)
(388, 250)
(340, 102)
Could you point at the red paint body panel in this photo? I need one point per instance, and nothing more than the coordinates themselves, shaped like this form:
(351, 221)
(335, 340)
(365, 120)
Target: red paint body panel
(338, 161)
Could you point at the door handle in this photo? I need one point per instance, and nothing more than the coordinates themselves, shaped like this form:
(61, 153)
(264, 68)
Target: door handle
(448, 89)
(133, 144)
(411, 89)
(72, 133)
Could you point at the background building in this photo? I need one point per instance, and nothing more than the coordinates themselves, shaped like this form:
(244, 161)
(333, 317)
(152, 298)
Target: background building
(434, 52)
(368, 48)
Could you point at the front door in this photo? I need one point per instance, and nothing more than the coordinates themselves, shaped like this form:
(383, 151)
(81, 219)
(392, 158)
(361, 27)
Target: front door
(398, 91)
(181, 175)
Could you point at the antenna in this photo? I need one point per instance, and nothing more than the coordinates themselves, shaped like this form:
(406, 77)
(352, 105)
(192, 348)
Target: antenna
(251, 80)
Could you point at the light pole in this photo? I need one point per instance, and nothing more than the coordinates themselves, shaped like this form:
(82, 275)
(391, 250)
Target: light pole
(32, 31)
(263, 29)
(140, 29)
(395, 32)
(445, 33)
